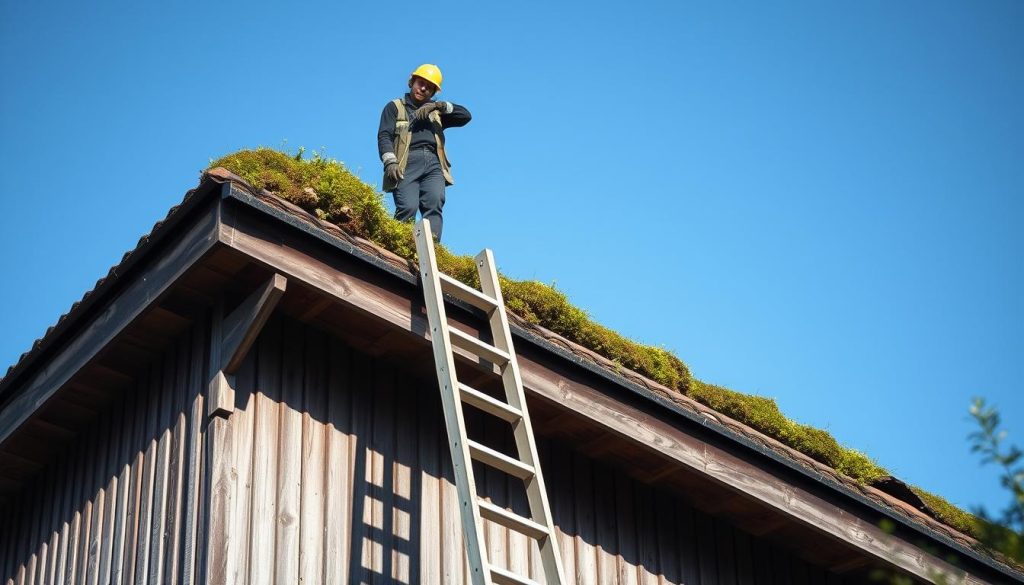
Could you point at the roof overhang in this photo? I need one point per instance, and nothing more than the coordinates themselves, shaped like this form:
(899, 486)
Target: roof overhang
(226, 239)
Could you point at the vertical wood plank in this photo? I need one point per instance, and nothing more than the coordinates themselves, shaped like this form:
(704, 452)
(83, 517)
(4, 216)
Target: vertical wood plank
(176, 464)
(431, 485)
(138, 473)
(88, 498)
(781, 566)
(407, 514)
(762, 560)
(744, 559)
(687, 545)
(265, 473)
(536, 561)
(726, 555)
(67, 497)
(607, 522)
(668, 539)
(311, 528)
(647, 542)
(289, 482)
(195, 470)
(628, 553)
(586, 554)
(24, 513)
(339, 466)
(221, 543)
(362, 469)
(7, 549)
(5, 543)
(161, 471)
(454, 562)
(56, 517)
(798, 571)
(31, 530)
(383, 450)
(705, 534)
(126, 453)
(145, 519)
(220, 546)
(761, 553)
(70, 572)
(111, 471)
(41, 512)
(242, 428)
(101, 431)
(563, 496)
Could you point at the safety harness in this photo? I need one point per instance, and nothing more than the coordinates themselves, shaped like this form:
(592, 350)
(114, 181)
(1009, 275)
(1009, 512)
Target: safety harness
(403, 137)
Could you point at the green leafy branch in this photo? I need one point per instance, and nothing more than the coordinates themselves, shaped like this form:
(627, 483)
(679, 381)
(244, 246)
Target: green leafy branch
(1004, 533)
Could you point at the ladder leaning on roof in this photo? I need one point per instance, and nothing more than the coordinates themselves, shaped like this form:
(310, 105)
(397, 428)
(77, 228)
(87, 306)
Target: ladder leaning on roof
(464, 450)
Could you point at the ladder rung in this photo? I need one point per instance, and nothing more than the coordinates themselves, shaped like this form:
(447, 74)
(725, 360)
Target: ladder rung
(467, 294)
(512, 520)
(502, 577)
(500, 461)
(474, 345)
(489, 405)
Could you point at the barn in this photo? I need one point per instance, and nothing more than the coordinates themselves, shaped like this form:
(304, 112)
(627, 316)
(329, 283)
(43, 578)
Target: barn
(250, 396)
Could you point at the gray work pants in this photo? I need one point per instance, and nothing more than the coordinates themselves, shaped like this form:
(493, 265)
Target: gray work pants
(422, 187)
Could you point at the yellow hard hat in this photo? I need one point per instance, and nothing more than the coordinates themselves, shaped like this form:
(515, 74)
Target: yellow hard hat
(429, 72)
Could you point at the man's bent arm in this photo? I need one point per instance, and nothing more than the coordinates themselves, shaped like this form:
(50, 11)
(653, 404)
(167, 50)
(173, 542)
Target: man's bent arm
(457, 116)
(386, 132)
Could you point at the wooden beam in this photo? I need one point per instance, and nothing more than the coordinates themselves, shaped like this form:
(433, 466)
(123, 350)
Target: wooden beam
(373, 291)
(233, 336)
(144, 288)
(244, 324)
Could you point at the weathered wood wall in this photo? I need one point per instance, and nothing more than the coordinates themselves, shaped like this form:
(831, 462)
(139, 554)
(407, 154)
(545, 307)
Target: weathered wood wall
(342, 475)
(121, 505)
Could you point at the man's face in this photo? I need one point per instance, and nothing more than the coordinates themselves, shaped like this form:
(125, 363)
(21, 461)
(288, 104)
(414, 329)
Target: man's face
(422, 90)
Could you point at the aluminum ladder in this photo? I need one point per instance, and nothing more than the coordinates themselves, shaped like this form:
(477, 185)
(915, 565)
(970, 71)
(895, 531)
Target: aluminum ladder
(464, 450)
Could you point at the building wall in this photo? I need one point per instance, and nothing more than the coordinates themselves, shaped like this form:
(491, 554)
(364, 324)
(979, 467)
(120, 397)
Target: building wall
(344, 476)
(341, 475)
(119, 505)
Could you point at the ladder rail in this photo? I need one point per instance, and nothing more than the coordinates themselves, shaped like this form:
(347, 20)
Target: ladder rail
(526, 466)
(472, 526)
(526, 444)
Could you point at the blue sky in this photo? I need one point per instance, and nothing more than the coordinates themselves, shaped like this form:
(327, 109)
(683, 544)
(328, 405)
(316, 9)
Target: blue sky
(815, 202)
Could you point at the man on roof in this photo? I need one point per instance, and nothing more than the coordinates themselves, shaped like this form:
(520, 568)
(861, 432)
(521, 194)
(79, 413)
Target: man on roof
(411, 145)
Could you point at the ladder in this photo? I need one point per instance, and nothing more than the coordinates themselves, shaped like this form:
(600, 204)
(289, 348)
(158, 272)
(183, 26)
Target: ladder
(513, 411)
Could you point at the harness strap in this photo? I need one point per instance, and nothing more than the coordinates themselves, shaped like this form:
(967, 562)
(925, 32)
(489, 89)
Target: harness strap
(402, 133)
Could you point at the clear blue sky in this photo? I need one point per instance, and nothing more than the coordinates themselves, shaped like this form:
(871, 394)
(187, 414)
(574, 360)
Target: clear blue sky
(818, 203)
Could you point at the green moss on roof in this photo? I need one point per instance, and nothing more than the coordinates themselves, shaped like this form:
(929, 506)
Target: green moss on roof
(950, 514)
(340, 197)
(764, 415)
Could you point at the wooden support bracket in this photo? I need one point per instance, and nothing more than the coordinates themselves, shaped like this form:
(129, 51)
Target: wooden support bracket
(233, 336)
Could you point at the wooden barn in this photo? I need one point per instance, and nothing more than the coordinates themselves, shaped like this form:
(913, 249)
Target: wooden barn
(250, 397)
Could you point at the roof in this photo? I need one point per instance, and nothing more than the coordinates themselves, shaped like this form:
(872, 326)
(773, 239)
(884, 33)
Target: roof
(229, 186)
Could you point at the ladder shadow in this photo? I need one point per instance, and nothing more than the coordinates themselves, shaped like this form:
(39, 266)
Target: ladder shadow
(386, 492)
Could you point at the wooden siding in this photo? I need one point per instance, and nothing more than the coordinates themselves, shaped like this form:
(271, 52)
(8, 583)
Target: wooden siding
(340, 473)
(121, 504)
(343, 475)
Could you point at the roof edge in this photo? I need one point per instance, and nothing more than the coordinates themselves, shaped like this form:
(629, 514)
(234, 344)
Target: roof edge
(81, 308)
